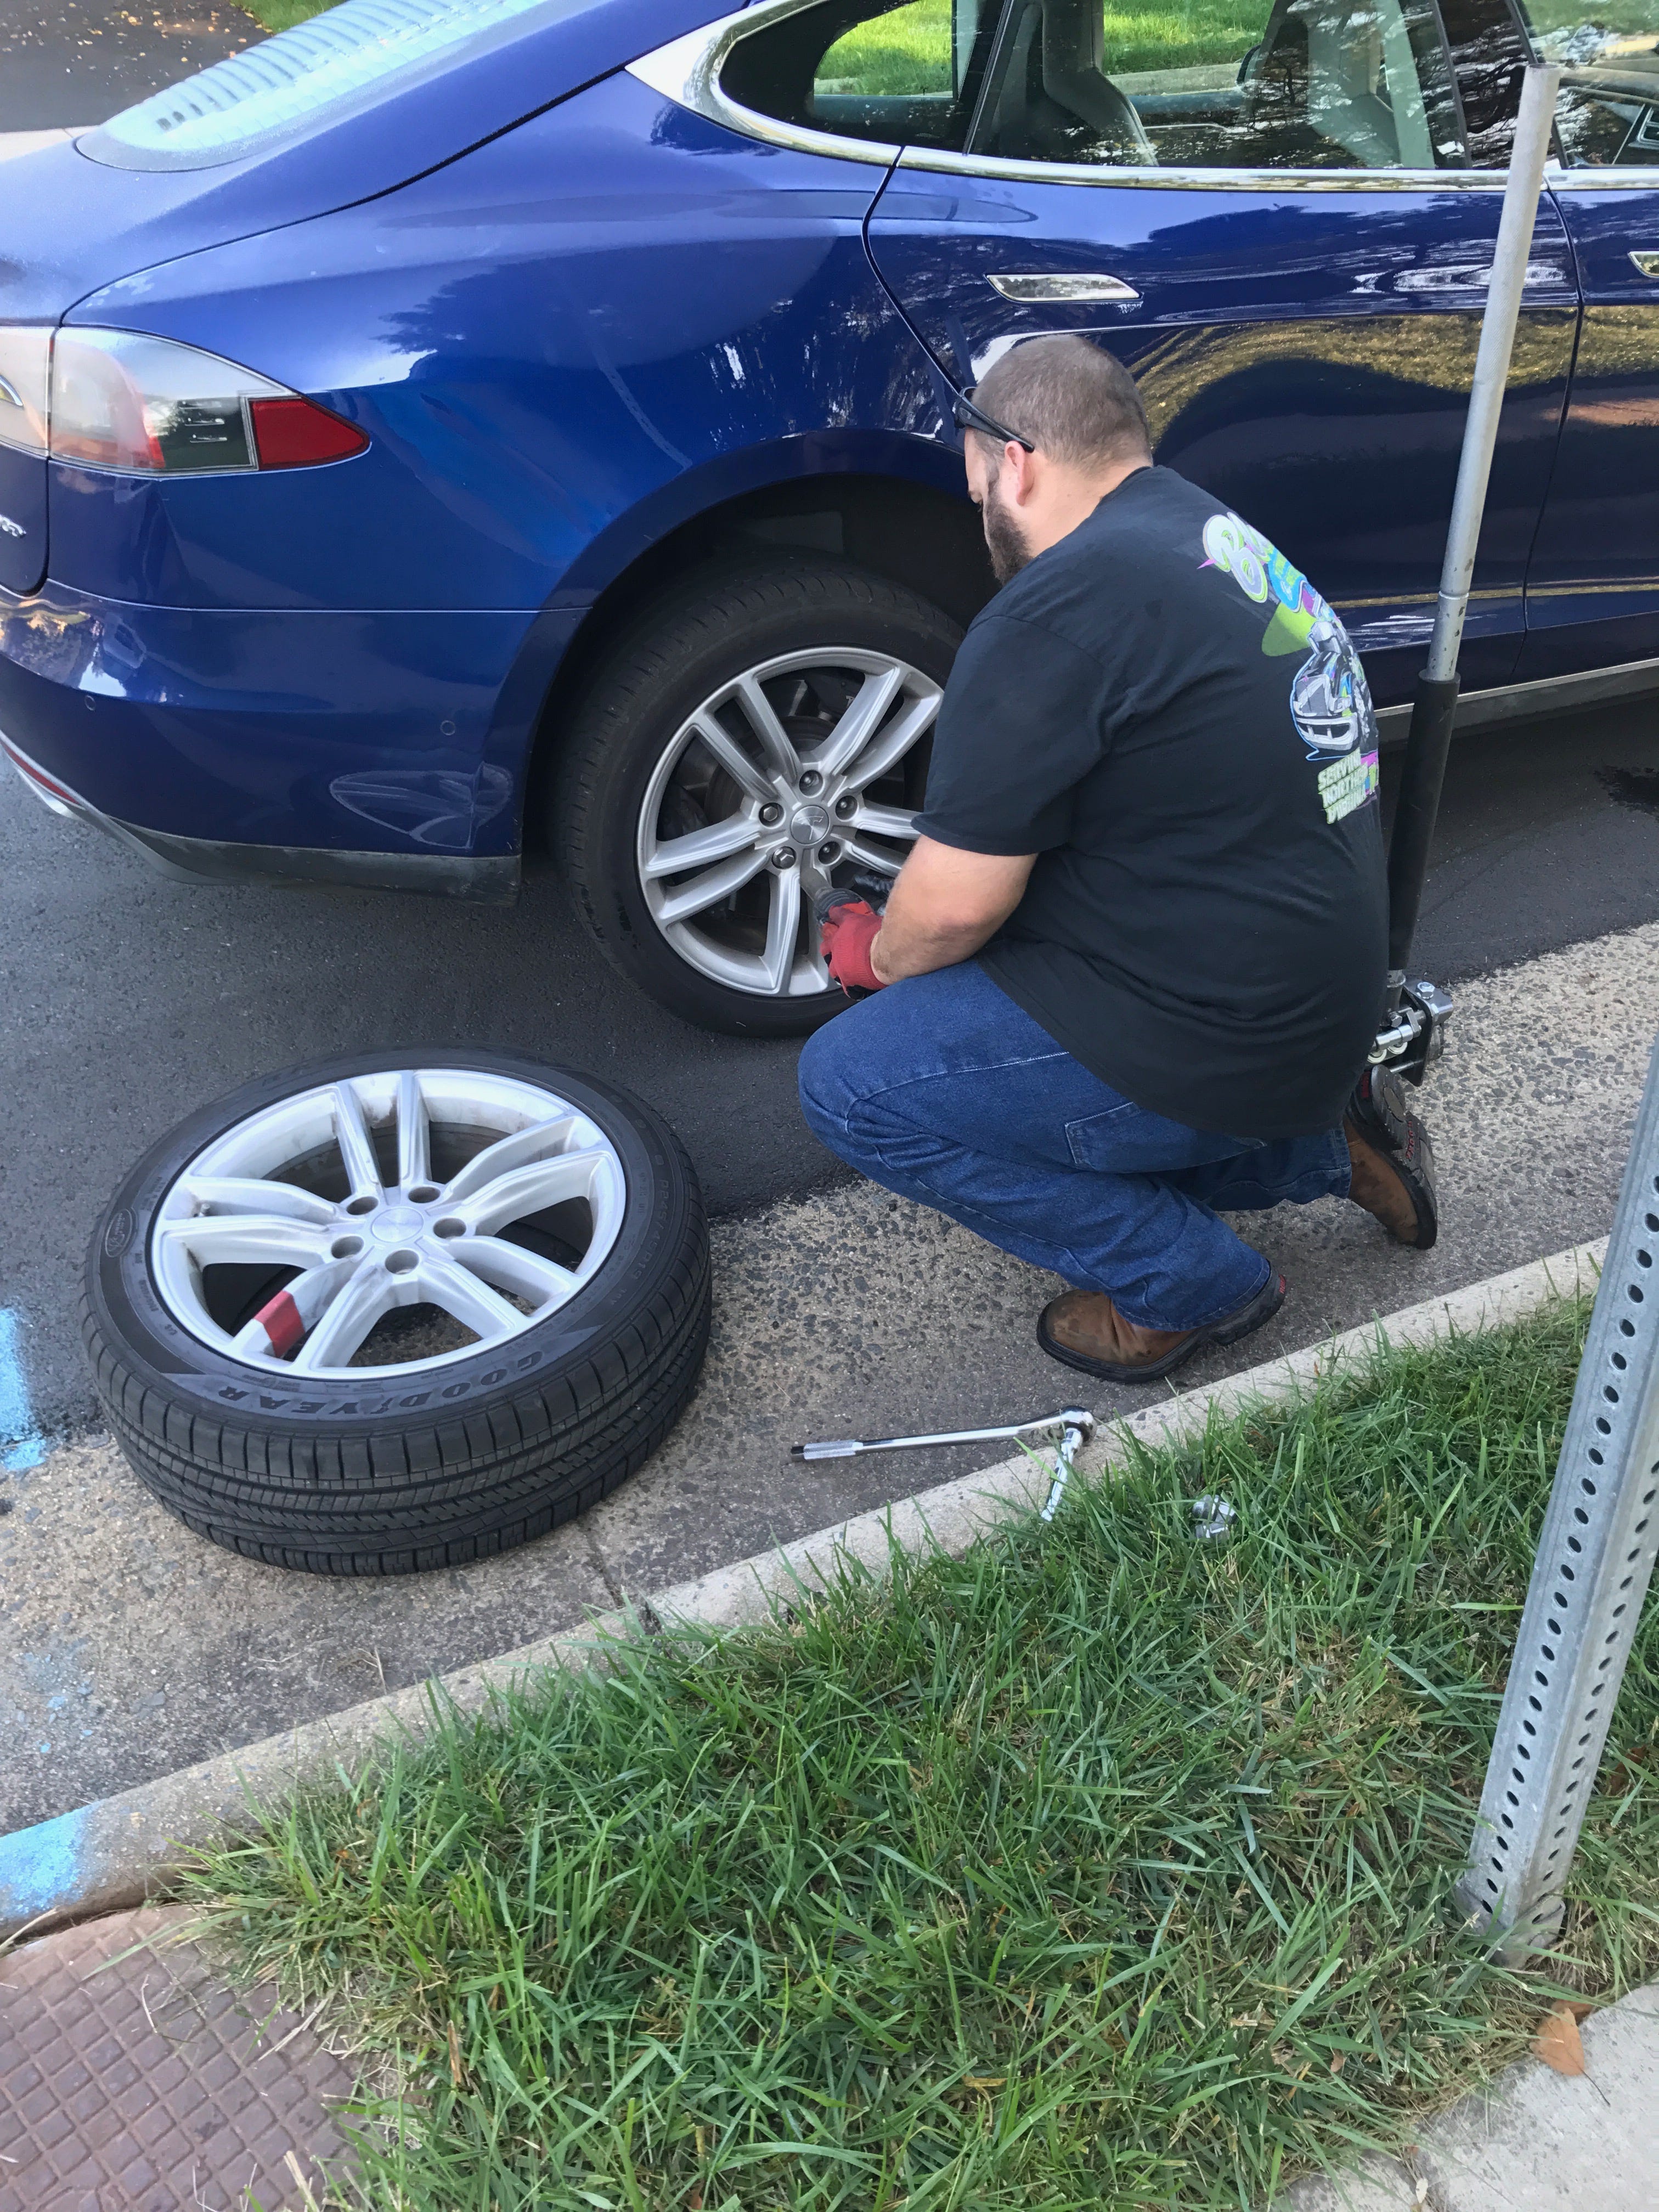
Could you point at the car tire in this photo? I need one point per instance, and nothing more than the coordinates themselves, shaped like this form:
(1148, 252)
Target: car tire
(464, 1452)
(632, 717)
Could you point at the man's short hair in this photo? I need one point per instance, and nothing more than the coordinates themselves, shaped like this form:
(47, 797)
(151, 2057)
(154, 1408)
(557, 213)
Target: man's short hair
(1074, 401)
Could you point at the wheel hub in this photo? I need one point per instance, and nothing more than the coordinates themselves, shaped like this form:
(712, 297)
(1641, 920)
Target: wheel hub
(799, 744)
(396, 1224)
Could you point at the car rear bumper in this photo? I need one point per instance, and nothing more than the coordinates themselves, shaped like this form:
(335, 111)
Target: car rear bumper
(383, 749)
(491, 878)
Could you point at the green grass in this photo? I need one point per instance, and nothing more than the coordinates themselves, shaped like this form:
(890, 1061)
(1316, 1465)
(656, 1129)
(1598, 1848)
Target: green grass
(909, 51)
(283, 15)
(1178, 37)
(1102, 1867)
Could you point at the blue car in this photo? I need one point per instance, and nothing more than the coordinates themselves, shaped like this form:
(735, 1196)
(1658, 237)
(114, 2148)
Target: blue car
(443, 429)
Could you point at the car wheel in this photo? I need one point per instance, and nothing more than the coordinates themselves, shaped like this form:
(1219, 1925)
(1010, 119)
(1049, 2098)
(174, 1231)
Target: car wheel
(761, 736)
(385, 1314)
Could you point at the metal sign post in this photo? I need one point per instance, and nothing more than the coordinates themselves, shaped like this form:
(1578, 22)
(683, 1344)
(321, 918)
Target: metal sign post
(1410, 1037)
(1595, 1562)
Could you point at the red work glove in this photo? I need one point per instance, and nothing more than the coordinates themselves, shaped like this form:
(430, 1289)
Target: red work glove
(848, 932)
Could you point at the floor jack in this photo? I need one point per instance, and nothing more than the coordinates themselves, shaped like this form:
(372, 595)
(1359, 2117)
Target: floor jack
(1410, 1034)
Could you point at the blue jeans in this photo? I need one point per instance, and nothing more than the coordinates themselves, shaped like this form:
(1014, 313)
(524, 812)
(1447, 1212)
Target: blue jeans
(943, 1090)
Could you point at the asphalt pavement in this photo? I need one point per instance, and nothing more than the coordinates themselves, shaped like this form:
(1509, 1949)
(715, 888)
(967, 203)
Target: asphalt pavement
(77, 61)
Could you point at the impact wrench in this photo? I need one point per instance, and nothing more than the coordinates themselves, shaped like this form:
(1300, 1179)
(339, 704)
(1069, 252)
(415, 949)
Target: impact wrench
(1075, 1425)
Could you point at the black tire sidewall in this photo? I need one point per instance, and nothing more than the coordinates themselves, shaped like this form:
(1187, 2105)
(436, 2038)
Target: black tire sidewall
(125, 1308)
(622, 736)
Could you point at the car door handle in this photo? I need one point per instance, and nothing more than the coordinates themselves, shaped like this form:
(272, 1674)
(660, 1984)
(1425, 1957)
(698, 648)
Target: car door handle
(1647, 265)
(1036, 286)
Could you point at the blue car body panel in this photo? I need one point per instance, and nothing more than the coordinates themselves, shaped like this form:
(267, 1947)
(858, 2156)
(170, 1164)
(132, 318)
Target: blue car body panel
(572, 316)
(22, 520)
(348, 732)
(1593, 588)
(549, 381)
(1303, 356)
(530, 362)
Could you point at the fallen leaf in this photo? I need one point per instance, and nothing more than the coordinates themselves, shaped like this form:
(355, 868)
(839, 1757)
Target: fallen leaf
(1558, 2042)
(1339, 2062)
(1581, 2009)
(456, 2075)
(984, 2081)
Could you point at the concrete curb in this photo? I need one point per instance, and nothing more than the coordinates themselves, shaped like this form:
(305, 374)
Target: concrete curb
(120, 1850)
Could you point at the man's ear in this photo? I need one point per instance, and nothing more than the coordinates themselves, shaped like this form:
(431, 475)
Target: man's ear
(1019, 468)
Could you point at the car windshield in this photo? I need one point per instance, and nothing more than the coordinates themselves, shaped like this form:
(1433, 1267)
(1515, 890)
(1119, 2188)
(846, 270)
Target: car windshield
(340, 60)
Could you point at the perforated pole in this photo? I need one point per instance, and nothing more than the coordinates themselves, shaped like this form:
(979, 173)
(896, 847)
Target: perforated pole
(1595, 1561)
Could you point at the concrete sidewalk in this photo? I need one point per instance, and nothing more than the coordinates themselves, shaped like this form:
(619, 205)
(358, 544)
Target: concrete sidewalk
(134, 2079)
(130, 1648)
(1535, 2141)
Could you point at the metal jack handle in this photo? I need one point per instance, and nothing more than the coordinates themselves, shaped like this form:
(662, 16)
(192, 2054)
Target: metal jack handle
(1410, 1035)
(1074, 1423)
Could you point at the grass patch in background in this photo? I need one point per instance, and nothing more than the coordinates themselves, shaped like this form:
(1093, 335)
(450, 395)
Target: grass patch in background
(1102, 1867)
(283, 14)
(908, 51)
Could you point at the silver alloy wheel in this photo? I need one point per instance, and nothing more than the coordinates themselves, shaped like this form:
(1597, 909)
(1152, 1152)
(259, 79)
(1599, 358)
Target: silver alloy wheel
(374, 1229)
(764, 801)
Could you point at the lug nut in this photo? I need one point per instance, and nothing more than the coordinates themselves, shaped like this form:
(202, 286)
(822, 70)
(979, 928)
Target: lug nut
(771, 814)
(828, 854)
(810, 781)
(784, 857)
(846, 806)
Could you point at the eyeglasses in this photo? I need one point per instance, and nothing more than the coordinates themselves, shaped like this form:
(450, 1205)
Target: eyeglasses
(967, 416)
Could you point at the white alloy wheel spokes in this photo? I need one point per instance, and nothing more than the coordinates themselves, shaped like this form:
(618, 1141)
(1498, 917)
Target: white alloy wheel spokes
(484, 1200)
(793, 779)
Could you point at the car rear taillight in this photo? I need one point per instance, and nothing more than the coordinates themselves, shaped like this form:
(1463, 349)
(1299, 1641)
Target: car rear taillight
(116, 400)
(25, 373)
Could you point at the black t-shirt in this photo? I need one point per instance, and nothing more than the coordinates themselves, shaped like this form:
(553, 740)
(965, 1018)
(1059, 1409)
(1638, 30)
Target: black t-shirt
(1165, 711)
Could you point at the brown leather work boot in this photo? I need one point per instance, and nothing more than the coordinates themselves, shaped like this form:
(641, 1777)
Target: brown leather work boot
(1086, 1330)
(1391, 1160)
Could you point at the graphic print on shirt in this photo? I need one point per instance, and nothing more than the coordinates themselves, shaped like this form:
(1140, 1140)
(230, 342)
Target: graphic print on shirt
(1330, 700)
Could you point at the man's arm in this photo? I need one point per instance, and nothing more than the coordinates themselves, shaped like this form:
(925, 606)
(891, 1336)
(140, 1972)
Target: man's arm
(944, 906)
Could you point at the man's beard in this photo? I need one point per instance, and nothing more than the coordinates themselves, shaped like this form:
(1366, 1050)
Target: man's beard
(1008, 549)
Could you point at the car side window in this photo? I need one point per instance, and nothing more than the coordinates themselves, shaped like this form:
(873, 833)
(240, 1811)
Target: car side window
(1248, 84)
(1170, 84)
(1608, 115)
(905, 74)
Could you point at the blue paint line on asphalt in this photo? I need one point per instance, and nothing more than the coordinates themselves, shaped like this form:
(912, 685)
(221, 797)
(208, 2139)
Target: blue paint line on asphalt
(21, 1444)
(43, 1869)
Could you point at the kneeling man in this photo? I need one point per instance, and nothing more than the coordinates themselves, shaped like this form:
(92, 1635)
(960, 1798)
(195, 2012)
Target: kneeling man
(1138, 953)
